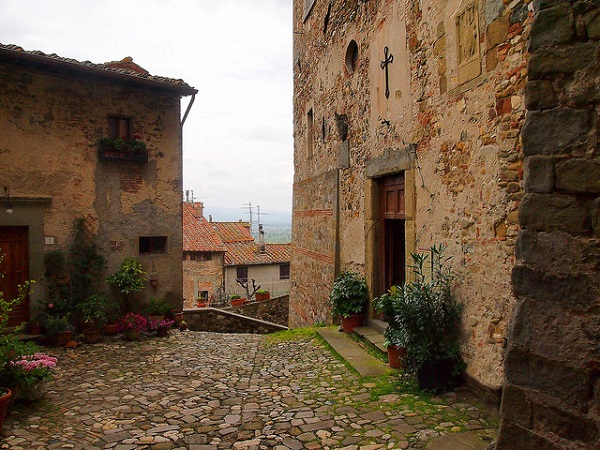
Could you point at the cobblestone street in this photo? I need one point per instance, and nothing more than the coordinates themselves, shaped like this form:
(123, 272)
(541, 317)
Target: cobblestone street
(204, 391)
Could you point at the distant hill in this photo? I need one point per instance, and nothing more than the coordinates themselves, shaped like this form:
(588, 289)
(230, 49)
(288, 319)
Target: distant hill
(276, 224)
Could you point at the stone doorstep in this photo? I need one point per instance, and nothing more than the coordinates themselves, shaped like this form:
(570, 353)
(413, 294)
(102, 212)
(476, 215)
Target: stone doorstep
(373, 336)
(469, 440)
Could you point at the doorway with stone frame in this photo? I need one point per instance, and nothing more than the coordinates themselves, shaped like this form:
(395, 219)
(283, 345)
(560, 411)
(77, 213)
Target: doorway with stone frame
(393, 222)
(14, 267)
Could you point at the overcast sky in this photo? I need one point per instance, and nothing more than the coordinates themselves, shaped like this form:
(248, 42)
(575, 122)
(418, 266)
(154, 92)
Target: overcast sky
(238, 143)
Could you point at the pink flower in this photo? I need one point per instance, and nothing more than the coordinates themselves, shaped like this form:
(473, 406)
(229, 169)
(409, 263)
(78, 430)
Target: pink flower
(50, 305)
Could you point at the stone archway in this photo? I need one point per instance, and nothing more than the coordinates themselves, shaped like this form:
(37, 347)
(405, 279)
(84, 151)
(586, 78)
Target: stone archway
(551, 397)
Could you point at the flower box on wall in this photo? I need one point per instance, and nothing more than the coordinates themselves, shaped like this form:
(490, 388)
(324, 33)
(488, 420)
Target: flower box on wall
(117, 149)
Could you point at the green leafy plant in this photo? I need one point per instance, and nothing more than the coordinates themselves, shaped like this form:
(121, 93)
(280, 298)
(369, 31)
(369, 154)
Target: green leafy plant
(262, 291)
(349, 294)
(92, 310)
(56, 323)
(234, 297)
(386, 304)
(425, 311)
(123, 145)
(129, 279)
(158, 306)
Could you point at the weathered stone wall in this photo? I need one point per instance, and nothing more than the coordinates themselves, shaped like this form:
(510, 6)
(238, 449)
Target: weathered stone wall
(451, 123)
(201, 276)
(220, 321)
(51, 126)
(552, 391)
(275, 310)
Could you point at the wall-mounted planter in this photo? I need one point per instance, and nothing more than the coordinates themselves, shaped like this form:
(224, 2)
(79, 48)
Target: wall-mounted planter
(109, 154)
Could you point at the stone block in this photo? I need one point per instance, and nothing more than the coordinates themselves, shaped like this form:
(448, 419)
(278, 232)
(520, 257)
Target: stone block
(595, 214)
(571, 290)
(554, 212)
(539, 174)
(554, 131)
(562, 60)
(515, 406)
(539, 94)
(555, 379)
(592, 24)
(578, 176)
(565, 424)
(553, 26)
(513, 436)
(497, 31)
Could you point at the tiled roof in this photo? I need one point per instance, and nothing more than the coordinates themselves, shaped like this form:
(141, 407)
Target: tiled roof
(247, 254)
(198, 233)
(125, 70)
(233, 231)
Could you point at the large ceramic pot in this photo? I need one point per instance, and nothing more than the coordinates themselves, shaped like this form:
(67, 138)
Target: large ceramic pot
(435, 375)
(110, 329)
(4, 403)
(351, 322)
(395, 355)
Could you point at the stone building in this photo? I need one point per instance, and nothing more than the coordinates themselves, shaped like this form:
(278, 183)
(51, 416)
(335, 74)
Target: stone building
(409, 130)
(217, 254)
(407, 124)
(54, 112)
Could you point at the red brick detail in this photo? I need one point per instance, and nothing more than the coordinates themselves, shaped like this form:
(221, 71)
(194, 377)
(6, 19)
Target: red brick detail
(314, 213)
(131, 178)
(315, 255)
(503, 106)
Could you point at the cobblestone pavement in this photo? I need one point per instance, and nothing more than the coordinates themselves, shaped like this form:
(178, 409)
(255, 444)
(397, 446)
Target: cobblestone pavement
(205, 391)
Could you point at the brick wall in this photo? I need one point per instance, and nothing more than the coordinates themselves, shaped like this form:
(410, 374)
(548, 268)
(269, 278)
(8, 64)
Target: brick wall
(552, 390)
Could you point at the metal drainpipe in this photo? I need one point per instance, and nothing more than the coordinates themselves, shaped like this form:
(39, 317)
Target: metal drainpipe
(187, 111)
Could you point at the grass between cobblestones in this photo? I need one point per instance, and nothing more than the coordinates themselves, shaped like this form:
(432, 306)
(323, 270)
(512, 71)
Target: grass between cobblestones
(397, 394)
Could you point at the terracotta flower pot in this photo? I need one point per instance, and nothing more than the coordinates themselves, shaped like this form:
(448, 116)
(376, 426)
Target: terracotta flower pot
(91, 335)
(110, 329)
(61, 338)
(131, 335)
(238, 301)
(162, 332)
(262, 297)
(178, 317)
(395, 355)
(351, 322)
(4, 402)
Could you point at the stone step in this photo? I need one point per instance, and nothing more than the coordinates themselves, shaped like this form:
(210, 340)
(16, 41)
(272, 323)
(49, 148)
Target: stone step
(364, 363)
(372, 336)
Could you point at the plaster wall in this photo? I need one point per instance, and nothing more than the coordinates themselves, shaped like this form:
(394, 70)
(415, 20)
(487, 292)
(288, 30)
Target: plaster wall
(202, 276)
(51, 124)
(265, 275)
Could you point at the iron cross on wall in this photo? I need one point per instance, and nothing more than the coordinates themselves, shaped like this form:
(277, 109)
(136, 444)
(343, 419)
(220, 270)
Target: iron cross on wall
(388, 59)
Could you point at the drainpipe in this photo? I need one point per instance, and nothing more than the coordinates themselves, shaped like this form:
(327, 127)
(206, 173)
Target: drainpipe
(187, 111)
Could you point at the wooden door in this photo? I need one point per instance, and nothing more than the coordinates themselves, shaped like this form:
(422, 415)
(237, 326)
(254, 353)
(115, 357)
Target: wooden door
(393, 220)
(15, 268)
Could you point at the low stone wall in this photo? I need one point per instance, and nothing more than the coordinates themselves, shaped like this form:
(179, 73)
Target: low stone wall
(275, 310)
(254, 318)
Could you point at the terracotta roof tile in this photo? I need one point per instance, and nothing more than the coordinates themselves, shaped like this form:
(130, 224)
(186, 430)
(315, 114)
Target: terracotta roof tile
(233, 231)
(125, 69)
(198, 234)
(247, 254)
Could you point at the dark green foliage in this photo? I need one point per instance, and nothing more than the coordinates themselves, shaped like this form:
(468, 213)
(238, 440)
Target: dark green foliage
(158, 306)
(123, 145)
(87, 264)
(349, 294)
(424, 311)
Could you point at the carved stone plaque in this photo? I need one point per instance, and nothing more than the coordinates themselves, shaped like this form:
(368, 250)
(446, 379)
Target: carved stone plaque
(467, 29)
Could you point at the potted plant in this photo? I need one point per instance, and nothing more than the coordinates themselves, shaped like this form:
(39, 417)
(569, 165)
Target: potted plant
(394, 337)
(349, 297)
(236, 300)
(131, 325)
(262, 294)
(123, 149)
(158, 308)
(5, 400)
(58, 329)
(429, 317)
(129, 280)
(31, 373)
(161, 327)
(92, 312)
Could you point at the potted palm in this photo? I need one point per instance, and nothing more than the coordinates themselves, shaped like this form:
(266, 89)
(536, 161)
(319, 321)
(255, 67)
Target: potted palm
(429, 317)
(349, 297)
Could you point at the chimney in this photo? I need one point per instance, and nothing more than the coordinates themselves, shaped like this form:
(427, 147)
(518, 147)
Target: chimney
(262, 248)
(187, 196)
